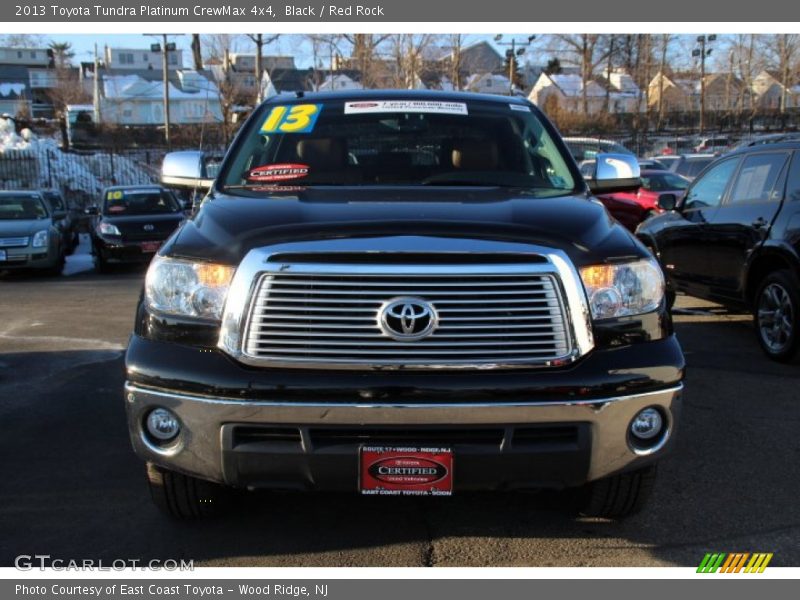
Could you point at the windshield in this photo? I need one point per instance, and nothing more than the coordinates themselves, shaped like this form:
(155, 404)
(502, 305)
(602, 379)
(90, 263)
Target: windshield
(55, 200)
(375, 143)
(662, 183)
(139, 202)
(22, 208)
(692, 168)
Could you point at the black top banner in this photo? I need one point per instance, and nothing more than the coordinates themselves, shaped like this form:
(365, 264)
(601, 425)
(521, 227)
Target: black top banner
(380, 11)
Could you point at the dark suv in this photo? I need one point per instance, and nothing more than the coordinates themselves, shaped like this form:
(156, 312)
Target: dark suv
(402, 293)
(734, 238)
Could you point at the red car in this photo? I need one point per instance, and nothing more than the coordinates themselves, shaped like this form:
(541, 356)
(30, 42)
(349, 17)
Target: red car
(654, 183)
(627, 212)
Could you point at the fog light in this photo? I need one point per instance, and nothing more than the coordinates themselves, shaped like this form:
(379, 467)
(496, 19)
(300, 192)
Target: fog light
(162, 424)
(647, 424)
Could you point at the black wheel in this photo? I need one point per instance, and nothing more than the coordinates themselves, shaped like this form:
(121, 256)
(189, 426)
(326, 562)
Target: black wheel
(669, 296)
(617, 496)
(56, 269)
(100, 265)
(184, 497)
(776, 311)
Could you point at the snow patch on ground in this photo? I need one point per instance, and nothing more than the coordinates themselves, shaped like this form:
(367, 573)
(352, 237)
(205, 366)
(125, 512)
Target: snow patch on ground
(29, 162)
(80, 261)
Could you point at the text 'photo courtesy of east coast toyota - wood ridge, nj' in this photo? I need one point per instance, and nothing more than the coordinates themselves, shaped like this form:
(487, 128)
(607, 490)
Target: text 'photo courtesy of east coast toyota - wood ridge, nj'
(509, 289)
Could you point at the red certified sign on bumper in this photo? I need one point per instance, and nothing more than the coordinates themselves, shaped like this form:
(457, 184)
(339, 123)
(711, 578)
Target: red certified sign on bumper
(406, 471)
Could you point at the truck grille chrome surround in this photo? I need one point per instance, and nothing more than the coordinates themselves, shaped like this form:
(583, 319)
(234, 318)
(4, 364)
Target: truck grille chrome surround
(334, 318)
(329, 315)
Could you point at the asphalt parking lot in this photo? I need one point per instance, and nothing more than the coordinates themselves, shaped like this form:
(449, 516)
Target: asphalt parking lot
(73, 489)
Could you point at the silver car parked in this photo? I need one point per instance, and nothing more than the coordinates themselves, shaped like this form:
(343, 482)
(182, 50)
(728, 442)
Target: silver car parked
(29, 237)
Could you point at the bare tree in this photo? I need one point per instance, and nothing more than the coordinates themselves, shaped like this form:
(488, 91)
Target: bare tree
(197, 54)
(218, 49)
(260, 41)
(364, 55)
(408, 53)
(588, 52)
(662, 74)
(781, 52)
(324, 48)
(22, 40)
(456, 43)
(66, 89)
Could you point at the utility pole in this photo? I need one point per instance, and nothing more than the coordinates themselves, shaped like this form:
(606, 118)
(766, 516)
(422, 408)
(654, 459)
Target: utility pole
(703, 53)
(512, 53)
(165, 67)
(96, 88)
(165, 48)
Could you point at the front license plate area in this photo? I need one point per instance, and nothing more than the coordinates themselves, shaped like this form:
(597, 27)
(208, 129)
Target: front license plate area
(406, 471)
(150, 247)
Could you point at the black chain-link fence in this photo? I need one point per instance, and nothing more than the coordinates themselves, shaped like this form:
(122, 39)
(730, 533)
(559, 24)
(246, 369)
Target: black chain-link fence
(81, 176)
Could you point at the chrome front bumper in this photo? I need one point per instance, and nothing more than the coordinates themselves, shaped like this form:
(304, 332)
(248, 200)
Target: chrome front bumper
(198, 449)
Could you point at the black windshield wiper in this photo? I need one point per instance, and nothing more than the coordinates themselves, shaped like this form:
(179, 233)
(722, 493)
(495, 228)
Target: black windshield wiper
(463, 182)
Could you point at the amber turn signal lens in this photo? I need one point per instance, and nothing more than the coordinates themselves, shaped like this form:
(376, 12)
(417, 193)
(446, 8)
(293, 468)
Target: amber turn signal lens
(211, 275)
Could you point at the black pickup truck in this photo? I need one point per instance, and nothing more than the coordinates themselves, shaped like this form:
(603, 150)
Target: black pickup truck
(402, 293)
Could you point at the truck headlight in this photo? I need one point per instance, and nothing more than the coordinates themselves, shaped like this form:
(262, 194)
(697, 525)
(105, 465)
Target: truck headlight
(108, 229)
(187, 289)
(618, 290)
(40, 239)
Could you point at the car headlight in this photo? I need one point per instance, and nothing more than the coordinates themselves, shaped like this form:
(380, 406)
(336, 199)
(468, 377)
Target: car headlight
(40, 239)
(187, 289)
(618, 290)
(108, 229)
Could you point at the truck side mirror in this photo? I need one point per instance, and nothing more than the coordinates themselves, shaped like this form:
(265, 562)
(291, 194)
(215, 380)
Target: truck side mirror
(187, 169)
(615, 172)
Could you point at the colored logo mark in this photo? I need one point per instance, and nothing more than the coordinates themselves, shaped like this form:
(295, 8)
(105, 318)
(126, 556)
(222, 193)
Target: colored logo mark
(736, 562)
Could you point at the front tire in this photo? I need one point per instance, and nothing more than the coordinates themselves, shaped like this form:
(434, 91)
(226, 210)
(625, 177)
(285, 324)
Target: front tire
(101, 265)
(618, 496)
(56, 269)
(182, 497)
(776, 314)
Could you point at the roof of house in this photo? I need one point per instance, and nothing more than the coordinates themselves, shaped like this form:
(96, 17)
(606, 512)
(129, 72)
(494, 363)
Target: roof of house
(572, 85)
(133, 84)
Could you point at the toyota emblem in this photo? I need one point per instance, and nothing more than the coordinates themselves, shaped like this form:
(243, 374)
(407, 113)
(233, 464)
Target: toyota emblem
(149, 227)
(407, 319)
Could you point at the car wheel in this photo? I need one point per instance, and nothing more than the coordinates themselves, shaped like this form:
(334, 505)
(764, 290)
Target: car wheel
(669, 296)
(100, 265)
(617, 496)
(184, 497)
(776, 312)
(56, 269)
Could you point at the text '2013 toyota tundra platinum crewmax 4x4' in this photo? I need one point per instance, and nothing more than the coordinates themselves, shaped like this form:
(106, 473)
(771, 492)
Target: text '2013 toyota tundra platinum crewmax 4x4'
(402, 293)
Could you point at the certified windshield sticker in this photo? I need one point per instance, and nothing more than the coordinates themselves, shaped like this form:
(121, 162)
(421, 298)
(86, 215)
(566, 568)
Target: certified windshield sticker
(294, 118)
(408, 106)
(279, 172)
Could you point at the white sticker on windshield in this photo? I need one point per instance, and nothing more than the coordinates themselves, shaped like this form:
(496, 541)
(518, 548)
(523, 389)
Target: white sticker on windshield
(520, 107)
(412, 106)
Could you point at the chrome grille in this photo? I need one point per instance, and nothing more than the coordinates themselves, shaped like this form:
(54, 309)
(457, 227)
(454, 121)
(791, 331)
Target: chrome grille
(490, 318)
(13, 242)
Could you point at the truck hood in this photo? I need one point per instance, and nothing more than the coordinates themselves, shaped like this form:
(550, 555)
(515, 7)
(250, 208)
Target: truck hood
(226, 227)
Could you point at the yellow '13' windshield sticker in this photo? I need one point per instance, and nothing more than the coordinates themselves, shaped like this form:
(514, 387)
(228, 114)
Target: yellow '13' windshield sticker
(297, 118)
